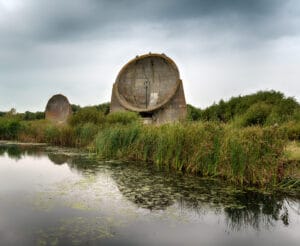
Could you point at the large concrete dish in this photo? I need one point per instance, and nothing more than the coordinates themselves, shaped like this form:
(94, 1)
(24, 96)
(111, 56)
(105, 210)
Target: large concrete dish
(157, 72)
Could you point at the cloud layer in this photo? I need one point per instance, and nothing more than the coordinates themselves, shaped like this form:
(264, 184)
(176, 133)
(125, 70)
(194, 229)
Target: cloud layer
(76, 47)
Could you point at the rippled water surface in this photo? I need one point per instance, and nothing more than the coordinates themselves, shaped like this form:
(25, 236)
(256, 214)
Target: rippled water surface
(54, 196)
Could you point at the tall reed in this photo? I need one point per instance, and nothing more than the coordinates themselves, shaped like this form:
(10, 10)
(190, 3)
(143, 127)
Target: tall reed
(251, 155)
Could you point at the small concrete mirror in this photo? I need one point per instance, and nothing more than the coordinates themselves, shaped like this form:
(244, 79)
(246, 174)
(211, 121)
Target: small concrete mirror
(58, 109)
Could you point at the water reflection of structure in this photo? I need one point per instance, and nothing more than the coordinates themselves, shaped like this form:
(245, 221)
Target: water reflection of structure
(58, 159)
(151, 189)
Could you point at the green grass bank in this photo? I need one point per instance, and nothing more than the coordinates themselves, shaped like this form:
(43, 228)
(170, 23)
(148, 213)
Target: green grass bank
(251, 155)
(254, 148)
(248, 156)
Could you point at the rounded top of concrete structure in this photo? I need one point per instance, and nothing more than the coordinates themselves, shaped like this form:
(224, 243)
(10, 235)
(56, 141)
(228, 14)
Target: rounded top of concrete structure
(147, 82)
(58, 108)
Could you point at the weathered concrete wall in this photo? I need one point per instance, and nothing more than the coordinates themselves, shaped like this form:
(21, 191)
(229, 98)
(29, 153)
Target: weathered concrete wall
(174, 110)
(151, 85)
(58, 109)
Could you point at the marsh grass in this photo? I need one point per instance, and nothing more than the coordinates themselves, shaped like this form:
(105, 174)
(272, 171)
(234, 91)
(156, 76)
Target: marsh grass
(68, 136)
(251, 155)
(80, 131)
(244, 155)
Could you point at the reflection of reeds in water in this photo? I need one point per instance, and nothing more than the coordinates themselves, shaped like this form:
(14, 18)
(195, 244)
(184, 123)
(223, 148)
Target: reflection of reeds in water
(153, 189)
(260, 211)
(159, 190)
(150, 188)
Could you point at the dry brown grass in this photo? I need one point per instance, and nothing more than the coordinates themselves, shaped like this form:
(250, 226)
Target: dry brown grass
(292, 151)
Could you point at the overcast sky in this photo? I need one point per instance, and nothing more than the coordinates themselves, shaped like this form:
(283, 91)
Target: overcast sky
(223, 48)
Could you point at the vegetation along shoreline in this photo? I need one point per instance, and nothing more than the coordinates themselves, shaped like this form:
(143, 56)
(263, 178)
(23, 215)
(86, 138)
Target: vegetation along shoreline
(250, 140)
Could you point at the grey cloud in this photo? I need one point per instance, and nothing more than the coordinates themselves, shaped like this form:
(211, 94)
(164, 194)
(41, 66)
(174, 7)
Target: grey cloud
(55, 21)
(59, 45)
(52, 20)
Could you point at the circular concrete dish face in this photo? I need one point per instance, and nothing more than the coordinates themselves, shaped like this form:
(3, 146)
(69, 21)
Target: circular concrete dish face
(58, 109)
(147, 82)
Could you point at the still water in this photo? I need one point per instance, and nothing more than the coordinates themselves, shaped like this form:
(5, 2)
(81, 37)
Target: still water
(51, 196)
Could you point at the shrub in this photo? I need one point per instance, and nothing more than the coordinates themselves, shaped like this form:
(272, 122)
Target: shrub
(75, 108)
(237, 106)
(296, 115)
(33, 116)
(9, 128)
(193, 113)
(13, 129)
(291, 129)
(33, 131)
(257, 114)
(87, 115)
(104, 108)
(273, 119)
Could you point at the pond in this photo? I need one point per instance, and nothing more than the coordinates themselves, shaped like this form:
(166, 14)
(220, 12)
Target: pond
(54, 196)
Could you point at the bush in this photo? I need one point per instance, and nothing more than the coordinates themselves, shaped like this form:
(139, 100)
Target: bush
(291, 129)
(282, 106)
(9, 128)
(257, 114)
(273, 119)
(104, 108)
(123, 118)
(33, 116)
(87, 115)
(33, 131)
(75, 108)
(296, 115)
(193, 113)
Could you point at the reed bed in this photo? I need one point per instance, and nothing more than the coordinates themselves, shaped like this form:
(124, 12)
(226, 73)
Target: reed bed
(251, 155)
